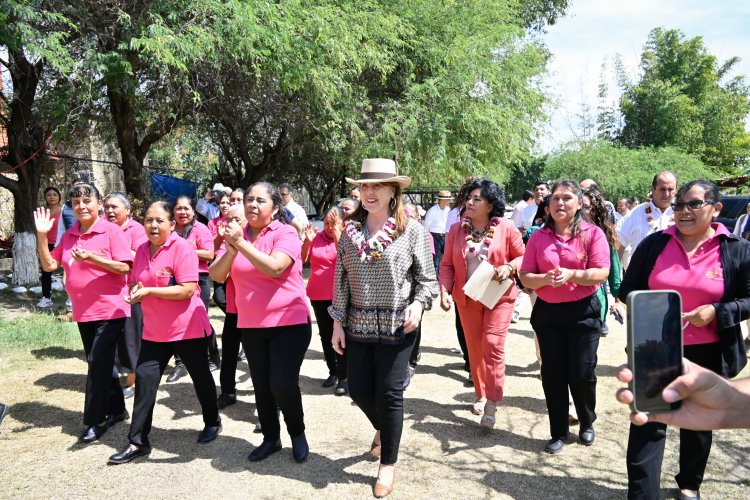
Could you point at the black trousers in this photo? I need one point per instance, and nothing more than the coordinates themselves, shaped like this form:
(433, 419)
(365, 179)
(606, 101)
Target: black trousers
(336, 362)
(376, 384)
(646, 443)
(204, 284)
(462, 340)
(103, 390)
(151, 364)
(439, 240)
(230, 347)
(47, 278)
(129, 347)
(415, 348)
(275, 357)
(568, 334)
(220, 296)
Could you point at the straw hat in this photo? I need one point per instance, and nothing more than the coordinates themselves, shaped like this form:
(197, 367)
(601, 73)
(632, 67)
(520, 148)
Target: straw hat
(444, 195)
(221, 187)
(376, 170)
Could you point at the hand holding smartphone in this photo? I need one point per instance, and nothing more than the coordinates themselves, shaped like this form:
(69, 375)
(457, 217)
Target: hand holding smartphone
(654, 347)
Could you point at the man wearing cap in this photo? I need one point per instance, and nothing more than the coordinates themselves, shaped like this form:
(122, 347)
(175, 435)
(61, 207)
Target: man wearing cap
(208, 206)
(435, 221)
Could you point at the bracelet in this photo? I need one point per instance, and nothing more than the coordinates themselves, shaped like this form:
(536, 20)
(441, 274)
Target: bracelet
(511, 269)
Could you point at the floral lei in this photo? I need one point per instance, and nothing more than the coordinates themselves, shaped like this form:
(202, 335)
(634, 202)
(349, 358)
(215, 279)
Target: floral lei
(371, 249)
(467, 227)
(650, 218)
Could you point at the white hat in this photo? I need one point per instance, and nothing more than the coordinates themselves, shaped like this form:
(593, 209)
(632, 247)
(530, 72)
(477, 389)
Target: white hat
(376, 170)
(221, 187)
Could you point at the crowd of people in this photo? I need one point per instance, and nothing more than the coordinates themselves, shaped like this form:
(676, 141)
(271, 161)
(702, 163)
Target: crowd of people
(140, 295)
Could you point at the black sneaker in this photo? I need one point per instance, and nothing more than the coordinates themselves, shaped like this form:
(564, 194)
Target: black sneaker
(212, 366)
(241, 356)
(342, 388)
(225, 400)
(329, 382)
(178, 372)
(410, 371)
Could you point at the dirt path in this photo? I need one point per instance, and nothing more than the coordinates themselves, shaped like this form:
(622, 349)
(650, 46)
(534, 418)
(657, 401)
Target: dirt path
(443, 454)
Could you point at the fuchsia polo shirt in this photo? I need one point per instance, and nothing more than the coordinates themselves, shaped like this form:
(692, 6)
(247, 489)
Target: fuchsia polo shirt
(546, 251)
(322, 267)
(96, 293)
(213, 225)
(228, 285)
(263, 301)
(135, 233)
(200, 239)
(699, 280)
(167, 320)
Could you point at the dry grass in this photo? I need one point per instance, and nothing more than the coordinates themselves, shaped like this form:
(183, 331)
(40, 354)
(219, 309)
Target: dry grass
(443, 451)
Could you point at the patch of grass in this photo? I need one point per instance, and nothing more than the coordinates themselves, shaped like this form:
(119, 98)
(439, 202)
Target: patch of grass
(38, 331)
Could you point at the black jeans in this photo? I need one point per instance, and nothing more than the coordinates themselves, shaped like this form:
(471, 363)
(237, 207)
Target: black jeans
(646, 443)
(376, 384)
(439, 240)
(568, 334)
(275, 357)
(230, 348)
(336, 362)
(462, 341)
(47, 277)
(103, 390)
(151, 364)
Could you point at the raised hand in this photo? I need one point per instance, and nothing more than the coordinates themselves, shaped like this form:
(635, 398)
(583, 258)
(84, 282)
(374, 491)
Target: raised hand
(42, 220)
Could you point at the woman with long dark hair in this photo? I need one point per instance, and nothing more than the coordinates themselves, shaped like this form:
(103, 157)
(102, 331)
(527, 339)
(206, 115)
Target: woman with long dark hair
(565, 262)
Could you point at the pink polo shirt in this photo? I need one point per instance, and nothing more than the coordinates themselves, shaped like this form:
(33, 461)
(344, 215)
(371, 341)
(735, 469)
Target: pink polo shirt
(135, 233)
(228, 285)
(699, 280)
(96, 293)
(263, 301)
(322, 267)
(200, 238)
(167, 320)
(546, 251)
(213, 225)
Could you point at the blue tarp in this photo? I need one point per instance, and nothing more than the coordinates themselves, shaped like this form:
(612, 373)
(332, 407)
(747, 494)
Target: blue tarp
(167, 188)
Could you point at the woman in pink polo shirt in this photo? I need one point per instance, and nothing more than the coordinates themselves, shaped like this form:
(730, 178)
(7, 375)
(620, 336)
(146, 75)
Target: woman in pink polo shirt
(483, 235)
(320, 249)
(198, 235)
(53, 199)
(273, 314)
(710, 268)
(163, 281)
(565, 262)
(217, 225)
(96, 258)
(117, 211)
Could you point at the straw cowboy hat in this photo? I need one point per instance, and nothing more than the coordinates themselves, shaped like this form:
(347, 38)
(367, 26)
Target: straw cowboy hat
(444, 195)
(376, 170)
(221, 187)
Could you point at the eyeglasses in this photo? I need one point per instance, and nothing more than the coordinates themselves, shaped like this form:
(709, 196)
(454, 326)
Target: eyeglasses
(690, 205)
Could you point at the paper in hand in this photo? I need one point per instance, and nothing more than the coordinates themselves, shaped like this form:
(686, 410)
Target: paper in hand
(483, 288)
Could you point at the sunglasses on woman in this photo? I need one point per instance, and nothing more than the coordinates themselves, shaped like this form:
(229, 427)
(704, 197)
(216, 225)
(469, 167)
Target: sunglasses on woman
(679, 206)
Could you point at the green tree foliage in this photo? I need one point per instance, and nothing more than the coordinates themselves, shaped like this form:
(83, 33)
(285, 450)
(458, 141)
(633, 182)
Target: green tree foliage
(685, 98)
(620, 171)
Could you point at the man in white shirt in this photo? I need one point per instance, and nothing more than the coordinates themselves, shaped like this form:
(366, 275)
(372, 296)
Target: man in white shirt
(517, 215)
(208, 206)
(285, 190)
(435, 221)
(622, 208)
(651, 216)
(541, 189)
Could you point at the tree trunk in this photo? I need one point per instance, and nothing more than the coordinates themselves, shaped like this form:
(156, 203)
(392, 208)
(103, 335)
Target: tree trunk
(25, 261)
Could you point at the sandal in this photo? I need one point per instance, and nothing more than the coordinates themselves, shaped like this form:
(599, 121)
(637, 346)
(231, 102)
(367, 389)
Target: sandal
(375, 446)
(478, 407)
(488, 419)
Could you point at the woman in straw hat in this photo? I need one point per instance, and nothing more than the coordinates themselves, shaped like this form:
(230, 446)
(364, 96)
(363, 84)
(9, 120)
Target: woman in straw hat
(385, 280)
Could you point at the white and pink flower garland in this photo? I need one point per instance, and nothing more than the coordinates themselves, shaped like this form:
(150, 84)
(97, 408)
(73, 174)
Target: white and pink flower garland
(371, 249)
(650, 218)
(485, 242)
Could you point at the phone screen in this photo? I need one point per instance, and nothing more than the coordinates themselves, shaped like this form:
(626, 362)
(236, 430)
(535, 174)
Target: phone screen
(655, 324)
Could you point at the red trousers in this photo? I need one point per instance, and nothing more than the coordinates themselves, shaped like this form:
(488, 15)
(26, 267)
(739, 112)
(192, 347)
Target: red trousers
(485, 331)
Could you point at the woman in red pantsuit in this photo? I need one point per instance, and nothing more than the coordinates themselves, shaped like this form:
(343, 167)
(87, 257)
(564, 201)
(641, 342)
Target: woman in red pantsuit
(483, 235)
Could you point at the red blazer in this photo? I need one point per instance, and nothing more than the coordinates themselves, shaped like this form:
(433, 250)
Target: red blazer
(506, 248)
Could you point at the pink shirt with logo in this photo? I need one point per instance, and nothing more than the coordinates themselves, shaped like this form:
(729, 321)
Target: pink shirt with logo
(135, 233)
(167, 320)
(200, 239)
(546, 251)
(322, 254)
(263, 301)
(228, 285)
(96, 293)
(699, 280)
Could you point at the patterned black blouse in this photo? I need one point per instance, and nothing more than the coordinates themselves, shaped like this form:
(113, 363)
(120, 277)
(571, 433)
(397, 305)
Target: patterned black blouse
(369, 298)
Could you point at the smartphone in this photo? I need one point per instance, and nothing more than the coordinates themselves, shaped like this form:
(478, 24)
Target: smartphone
(654, 347)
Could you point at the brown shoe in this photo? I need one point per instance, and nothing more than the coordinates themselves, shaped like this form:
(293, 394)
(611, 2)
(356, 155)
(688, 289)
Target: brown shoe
(381, 489)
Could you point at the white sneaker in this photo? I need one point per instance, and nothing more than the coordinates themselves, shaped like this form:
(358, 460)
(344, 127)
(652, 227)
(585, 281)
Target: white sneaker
(516, 317)
(44, 303)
